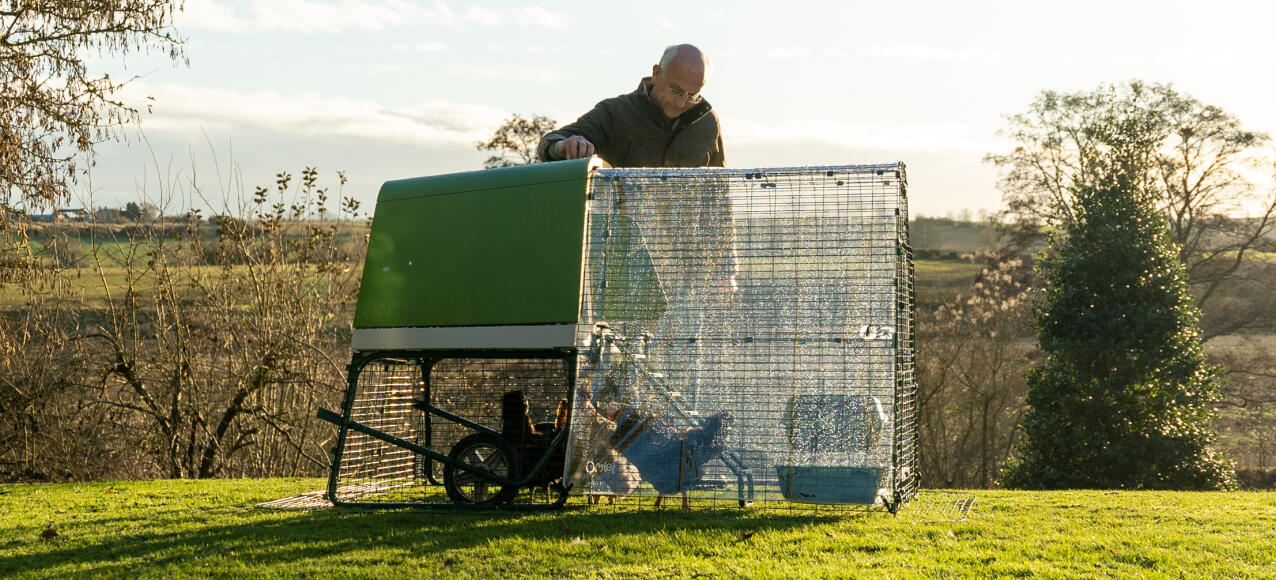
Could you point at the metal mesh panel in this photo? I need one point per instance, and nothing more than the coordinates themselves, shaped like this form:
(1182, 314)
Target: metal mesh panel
(373, 471)
(382, 399)
(472, 388)
(746, 335)
(905, 468)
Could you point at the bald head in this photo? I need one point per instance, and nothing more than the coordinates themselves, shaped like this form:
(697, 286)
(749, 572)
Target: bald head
(685, 55)
(678, 78)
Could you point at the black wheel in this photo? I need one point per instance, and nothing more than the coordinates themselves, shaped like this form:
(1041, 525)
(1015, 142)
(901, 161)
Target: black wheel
(489, 452)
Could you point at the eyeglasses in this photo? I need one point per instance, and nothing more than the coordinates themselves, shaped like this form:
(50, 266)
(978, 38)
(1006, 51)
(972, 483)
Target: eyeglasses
(681, 94)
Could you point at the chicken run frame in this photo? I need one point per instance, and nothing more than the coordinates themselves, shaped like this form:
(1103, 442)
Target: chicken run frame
(715, 335)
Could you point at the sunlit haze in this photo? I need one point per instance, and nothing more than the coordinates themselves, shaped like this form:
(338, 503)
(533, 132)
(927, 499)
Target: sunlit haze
(389, 89)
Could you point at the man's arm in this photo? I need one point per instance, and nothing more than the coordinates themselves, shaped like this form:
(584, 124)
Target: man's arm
(718, 158)
(549, 147)
(555, 147)
(580, 139)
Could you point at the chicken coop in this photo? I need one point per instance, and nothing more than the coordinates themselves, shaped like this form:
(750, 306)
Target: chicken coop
(696, 336)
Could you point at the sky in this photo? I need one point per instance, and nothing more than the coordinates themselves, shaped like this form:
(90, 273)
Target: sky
(391, 89)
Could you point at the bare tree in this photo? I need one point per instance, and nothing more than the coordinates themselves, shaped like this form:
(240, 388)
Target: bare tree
(218, 369)
(972, 355)
(44, 435)
(52, 107)
(202, 351)
(515, 141)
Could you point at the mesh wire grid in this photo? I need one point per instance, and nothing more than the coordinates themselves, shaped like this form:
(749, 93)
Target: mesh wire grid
(745, 336)
(379, 396)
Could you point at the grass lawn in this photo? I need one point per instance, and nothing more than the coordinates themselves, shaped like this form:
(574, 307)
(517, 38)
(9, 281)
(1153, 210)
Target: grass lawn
(197, 528)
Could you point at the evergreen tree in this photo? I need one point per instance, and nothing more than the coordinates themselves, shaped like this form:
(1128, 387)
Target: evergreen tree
(1123, 399)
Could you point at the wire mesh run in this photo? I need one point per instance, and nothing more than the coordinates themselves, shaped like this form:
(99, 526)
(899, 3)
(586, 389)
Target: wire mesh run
(746, 335)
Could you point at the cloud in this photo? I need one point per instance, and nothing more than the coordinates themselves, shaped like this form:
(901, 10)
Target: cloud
(185, 109)
(429, 46)
(537, 17)
(801, 51)
(927, 137)
(331, 16)
(930, 53)
(511, 74)
(912, 52)
(788, 53)
(716, 16)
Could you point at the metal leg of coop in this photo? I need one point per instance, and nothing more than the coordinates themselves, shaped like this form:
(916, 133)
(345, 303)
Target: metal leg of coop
(427, 366)
(357, 362)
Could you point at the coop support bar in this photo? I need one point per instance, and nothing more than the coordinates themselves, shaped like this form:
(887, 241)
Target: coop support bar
(338, 420)
(428, 408)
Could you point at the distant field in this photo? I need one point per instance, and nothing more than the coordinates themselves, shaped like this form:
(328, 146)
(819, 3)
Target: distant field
(937, 280)
(945, 273)
(210, 528)
(943, 235)
(89, 287)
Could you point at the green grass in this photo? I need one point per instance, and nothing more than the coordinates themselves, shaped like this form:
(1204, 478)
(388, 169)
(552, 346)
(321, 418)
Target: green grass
(210, 528)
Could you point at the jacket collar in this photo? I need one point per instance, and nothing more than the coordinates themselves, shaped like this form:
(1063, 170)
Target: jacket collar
(686, 118)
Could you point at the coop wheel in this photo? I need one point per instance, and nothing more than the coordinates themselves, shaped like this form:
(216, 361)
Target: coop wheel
(488, 452)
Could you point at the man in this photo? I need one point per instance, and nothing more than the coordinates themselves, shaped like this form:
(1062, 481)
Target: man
(664, 123)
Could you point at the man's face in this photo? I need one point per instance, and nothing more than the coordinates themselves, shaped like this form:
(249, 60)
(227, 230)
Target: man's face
(676, 88)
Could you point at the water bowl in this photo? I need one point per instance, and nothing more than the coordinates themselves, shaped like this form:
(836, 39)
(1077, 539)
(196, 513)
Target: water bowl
(829, 484)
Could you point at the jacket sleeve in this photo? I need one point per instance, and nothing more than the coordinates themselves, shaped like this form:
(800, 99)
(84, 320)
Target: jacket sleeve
(594, 125)
(718, 158)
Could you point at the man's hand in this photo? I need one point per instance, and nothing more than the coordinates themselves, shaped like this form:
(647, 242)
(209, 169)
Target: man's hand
(574, 147)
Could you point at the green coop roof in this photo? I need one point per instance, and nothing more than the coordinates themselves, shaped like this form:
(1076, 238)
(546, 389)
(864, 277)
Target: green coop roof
(498, 247)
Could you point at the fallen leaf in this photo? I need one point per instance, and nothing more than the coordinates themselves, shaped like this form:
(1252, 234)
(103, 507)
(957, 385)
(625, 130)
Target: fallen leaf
(746, 535)
(603, 549)
(49, 534)
(579, 542)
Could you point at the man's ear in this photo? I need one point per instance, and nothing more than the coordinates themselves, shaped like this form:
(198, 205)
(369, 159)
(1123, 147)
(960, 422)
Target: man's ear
(655, 71)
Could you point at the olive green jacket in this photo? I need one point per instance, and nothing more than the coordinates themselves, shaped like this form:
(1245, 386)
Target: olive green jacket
(631, 131)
